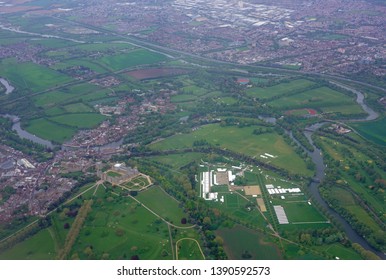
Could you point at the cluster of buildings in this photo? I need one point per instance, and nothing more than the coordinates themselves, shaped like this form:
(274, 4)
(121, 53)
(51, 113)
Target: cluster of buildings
(34, 188)
(314, 36)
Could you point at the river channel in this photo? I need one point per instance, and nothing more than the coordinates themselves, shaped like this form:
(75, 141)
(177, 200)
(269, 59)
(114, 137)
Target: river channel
(320, 174)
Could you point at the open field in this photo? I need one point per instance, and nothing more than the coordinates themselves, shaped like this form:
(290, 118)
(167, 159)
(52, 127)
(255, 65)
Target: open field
(188, 249)
(325, 99)
(30, 76)
(87, 120)
(49, 130)
(78, 108)
(241, 140)
(152, 73)
(178, 160)
(242, 243)
(133, 58)
(119, 228)
(161, 203)
(279, 89)
(37, 247)
(373, 131)
(302, 212)
(56, 97)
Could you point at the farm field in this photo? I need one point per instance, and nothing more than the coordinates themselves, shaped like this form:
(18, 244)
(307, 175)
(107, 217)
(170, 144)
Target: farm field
(242, 243)
(374, 131)
(241, 140)
(279, 89)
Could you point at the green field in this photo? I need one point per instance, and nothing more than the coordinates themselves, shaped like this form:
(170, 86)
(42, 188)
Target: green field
(30, 76)
(373, 131)
(279, 89)
(325, 99)
(188, 250)
(79, 120)
(133, 58)
(302, 212)
(119, 228)
(77, 108)
(50, 131)
(56, 97)
(183, 98)
(241, 140)
(37, 247)
(178, 160)
(242, 243)
(162, 204)
(194, 90)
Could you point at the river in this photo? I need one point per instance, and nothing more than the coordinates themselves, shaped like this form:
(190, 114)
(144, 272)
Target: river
(317, 158)
(8, 88)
